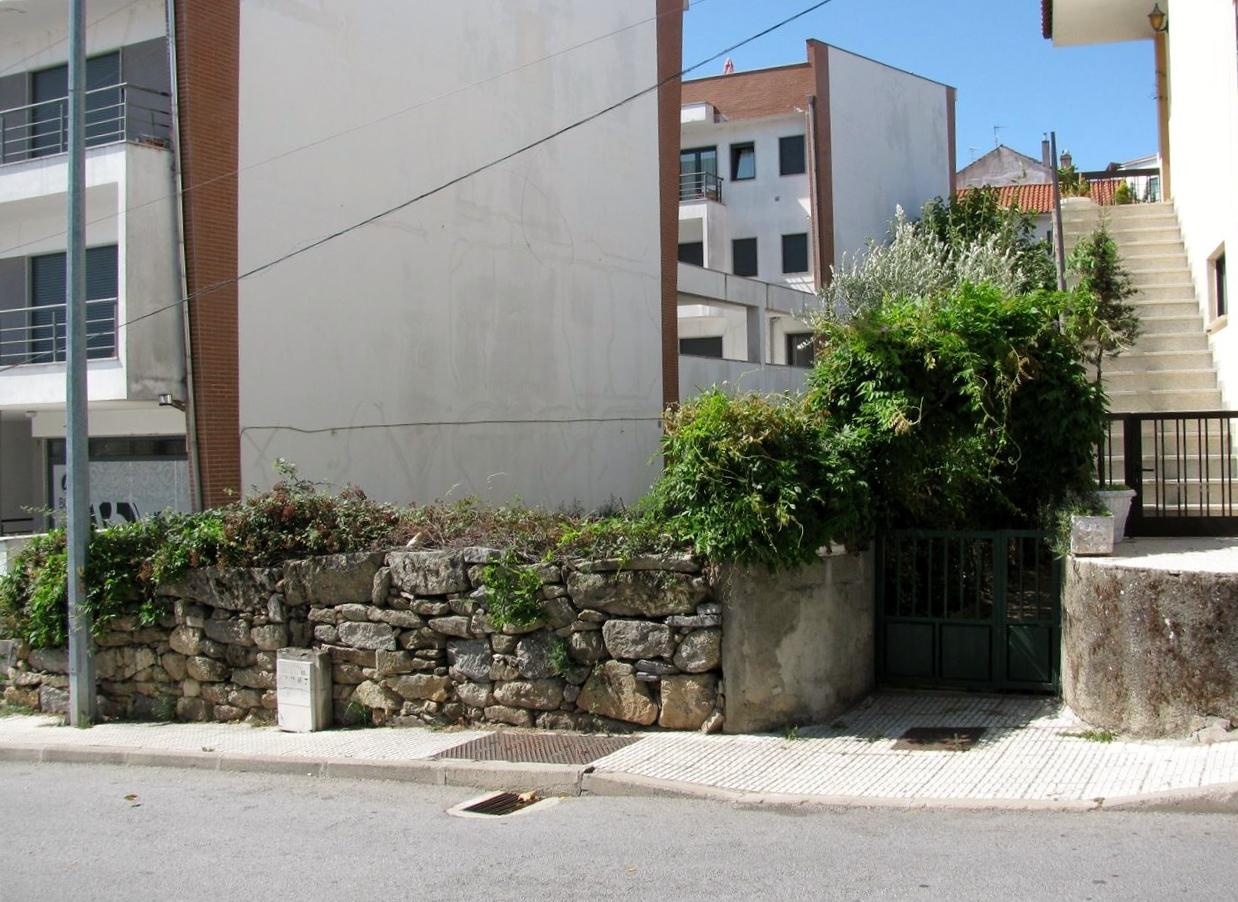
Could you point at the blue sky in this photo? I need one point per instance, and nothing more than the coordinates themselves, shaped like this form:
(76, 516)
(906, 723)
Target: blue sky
(1100, 99)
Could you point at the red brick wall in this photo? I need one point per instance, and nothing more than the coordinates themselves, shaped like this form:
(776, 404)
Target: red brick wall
(751, 95)
(670, 62)
(208, 75)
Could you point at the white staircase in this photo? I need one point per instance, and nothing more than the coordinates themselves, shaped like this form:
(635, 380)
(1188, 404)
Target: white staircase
(1171, 367)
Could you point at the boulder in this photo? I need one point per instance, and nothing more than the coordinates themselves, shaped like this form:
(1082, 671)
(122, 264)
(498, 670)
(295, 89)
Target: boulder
(699, 651)
(232, 631)
(371, 695)
(428, 572)
(541, 695)
(271, 637)
(206, 670)
(613, 691)
(332, 579)
(637, 593)
(687, 701)
(533, 656)
(49, 660)
(367, 635)
(634, 639)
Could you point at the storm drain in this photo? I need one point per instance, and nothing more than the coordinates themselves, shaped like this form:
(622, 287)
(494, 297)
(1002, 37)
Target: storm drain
(940, 739)
(538, 748)
(500, 804)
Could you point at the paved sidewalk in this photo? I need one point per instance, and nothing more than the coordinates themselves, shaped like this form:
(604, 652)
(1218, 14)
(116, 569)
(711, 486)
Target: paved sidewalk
(1033, 752)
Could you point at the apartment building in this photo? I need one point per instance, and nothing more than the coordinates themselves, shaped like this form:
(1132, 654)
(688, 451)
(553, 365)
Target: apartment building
(138, 444)
(783, 172)
(493, 336)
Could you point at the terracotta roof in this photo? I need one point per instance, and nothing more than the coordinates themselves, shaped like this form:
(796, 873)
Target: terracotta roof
(1039, 198)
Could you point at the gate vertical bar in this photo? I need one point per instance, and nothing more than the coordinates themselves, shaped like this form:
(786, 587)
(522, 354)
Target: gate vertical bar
(997, 634)
(1132, 464)
(81, 666)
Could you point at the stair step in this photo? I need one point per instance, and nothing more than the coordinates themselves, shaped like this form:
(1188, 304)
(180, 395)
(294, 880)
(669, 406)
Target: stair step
(1175, 261)
(1166, 308)
(1148, 277)
(1140, 248)
(1168, 400)
(1177, 291)
(1164, 380)
(1160, 325)
(1172, 341)
(1137, 359)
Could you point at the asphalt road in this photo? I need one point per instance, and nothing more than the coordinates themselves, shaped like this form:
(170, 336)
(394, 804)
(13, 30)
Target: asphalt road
(78, 832)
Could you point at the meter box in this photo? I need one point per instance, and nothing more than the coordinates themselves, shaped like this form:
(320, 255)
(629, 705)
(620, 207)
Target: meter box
(303, 689)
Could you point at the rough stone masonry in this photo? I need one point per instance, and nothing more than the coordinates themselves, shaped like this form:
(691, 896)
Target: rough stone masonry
(619, 645)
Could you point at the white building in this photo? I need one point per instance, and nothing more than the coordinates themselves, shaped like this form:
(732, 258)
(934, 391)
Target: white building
(138, 448)
(1197, 90)
(783, 172)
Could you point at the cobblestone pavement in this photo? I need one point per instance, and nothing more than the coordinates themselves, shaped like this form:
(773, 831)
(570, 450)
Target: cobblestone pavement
(1032, 750)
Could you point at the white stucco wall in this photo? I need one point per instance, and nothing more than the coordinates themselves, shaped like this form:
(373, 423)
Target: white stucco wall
(500, 338)
(890, 140)
(34, 37)
(1203, 134)
(765, 208)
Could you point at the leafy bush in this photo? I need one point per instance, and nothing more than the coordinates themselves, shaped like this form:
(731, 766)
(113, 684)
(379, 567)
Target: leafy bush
(967, 411)
(1101, 320)
(513, 592)
(749, 479)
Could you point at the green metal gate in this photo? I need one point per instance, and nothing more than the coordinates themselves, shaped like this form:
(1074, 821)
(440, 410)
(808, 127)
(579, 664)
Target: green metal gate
(969, 610)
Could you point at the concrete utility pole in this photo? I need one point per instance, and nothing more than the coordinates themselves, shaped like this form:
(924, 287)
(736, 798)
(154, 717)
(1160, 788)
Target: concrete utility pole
(77, 447)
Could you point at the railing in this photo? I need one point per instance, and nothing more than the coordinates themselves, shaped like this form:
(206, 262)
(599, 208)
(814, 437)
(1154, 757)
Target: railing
(700, 186)
(33, 335)
(1182, 466)
(1145, 184)
(122, 112)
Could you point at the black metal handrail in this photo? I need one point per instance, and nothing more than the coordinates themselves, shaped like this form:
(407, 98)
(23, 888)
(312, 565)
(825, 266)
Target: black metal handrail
(1181, 466)
(700, 185)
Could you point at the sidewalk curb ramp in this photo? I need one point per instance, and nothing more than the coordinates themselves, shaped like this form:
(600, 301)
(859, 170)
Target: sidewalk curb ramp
(576, 780)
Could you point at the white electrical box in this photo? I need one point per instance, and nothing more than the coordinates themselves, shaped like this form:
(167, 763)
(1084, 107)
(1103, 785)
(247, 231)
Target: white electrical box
(303, 689)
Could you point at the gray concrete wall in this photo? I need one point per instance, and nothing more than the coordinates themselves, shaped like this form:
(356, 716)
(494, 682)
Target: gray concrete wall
(1148, 651)
(798, 647)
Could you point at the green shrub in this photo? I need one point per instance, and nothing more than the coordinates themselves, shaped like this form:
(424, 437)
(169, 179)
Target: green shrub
(969, 411)
(513, 592)
(1100, 319)
(749, 479)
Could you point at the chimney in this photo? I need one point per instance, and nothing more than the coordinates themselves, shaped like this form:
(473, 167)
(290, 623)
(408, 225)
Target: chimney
(1067, 159)
(1046, 156)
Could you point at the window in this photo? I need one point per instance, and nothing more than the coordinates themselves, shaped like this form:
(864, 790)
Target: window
(794, 253)
(47, 323)
(698, 173)
(791, 157)
(800, 349)
(701, 347)
(692, 252)
(744, 257)
(104, 114)
(1218, 268)
(743, 162)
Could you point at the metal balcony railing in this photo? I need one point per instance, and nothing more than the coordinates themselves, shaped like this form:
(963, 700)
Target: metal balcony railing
(33, 335)
(700, 186)
(122, 112)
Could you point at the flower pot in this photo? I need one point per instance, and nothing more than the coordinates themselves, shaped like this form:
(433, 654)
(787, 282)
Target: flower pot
(1091, 535)
(1119, 503)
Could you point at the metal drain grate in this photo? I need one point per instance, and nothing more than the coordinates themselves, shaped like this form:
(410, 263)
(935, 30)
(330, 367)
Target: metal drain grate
(501, 803)
(540, 748)
(940, 739)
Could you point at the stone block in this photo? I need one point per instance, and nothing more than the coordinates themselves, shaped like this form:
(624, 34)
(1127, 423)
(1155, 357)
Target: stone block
(542, 695)
(251, 678)
(371, 695)
(380, 587)
(516, 717)
(53, 701)
(206, 670)
(358, 613)
(475, 695)
(333, 579)
(325, 632)
(634, 639)
(687, 701)
(232, 631)
(470, 660)
(428, 572)
(391, 663)
(367, 635)
(422, 686)
(452, 626)
(271, 637)
(49, 660)
(613, 691)
(700, 650)
(275, 609)
(533, 655)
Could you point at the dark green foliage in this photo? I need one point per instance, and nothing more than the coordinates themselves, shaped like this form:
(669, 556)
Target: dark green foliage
(749, 479)
(967, 412)
(1101, 320)
(977, 216)
(513, 592)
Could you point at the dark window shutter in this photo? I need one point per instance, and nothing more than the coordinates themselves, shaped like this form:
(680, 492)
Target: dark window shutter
(791, 157)
(794, 254)
(744, 257)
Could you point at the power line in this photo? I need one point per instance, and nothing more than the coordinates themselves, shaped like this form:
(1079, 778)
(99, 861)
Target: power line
(271, 264)
(361, 427)
(317, 142)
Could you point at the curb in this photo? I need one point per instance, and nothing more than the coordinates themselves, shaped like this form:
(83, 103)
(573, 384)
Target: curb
(584, 780)
(549, 779)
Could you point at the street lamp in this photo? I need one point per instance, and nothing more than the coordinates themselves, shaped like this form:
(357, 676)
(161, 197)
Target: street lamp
(1158, 20)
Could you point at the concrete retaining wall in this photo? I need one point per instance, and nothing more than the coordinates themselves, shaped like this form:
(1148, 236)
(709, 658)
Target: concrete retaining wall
(1149, 650)
(798, 647)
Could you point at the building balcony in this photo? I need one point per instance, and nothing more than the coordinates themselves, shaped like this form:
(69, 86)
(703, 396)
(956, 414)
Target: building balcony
(117, 113)
(698, 186)
(39, 335)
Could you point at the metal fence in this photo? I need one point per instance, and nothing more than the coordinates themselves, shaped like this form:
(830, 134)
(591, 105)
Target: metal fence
(1182, 467)
(31, 335)
(122, 112)
(700, 186)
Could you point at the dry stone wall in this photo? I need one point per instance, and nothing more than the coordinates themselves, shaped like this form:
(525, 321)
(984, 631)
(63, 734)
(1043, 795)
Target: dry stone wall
(619, 645)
